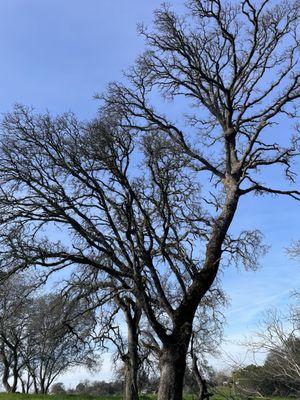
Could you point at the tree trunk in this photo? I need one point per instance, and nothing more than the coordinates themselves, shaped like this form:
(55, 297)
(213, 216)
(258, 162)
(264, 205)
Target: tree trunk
(46, 389)
(42, 386)
(204, 394)
(5, 382)
(5, 373)
(201, 382)
(15, 371)
(6, 385)
(172, 370)
(36, 388)
(131, 359)
(29, 382)
(132, 312)
(22, 385)
(130, 380)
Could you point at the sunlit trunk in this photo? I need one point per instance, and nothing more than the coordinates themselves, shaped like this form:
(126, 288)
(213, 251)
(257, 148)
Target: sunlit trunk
(203, 393)
(172, 370)
(130, 381)
(131, 359)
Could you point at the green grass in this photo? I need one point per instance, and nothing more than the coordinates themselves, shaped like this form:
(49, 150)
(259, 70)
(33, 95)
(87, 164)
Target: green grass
(18, 396)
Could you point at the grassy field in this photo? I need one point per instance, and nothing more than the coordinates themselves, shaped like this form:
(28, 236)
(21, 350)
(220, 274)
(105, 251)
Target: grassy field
(16, 396)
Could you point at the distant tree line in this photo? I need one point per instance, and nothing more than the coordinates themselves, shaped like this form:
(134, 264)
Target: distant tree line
(147, 385)
(279, 339)
(41, 336)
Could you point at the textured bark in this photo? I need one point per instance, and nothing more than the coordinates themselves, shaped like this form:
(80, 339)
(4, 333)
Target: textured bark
(130, 378)
(131, 359)
(172, 369)
(173, 358)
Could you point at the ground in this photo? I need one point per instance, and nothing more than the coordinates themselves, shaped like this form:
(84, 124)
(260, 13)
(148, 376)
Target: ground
(9, 396)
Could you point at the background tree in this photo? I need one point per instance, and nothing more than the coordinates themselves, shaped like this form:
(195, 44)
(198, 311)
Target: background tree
(206, 339)
(252, 381)
(41, 335)
(97, 388)
(15, 308)
(136, 220)
(276, 345)
(279, 338)
(57, 339)
(58, 388)
(114, 309)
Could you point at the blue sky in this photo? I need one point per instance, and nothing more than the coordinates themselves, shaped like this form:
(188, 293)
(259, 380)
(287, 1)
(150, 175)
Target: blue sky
(57, 54)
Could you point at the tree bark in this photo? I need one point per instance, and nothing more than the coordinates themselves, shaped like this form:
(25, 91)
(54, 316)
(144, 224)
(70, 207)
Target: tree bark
(130, 380)
(15, 371)
(5, 382)
(201, 382)
(175, 346)
(172, 370)
(5, 373)
(131, 359)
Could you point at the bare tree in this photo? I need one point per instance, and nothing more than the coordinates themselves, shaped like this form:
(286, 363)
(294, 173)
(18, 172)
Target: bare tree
(39, 336)
(206, 337)
(163, 236)
(15, 305)
(279, 339)
(115, 311)
(119, 224)
(57, 334)
(127, 347)
(270, 367)
(58, 388)
(236, 64)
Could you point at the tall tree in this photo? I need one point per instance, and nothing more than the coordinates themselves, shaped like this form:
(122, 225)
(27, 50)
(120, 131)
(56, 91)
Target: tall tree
(236, 64)
(279, 338)
(151, 228)
(77, 176)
